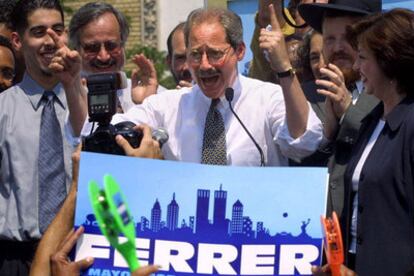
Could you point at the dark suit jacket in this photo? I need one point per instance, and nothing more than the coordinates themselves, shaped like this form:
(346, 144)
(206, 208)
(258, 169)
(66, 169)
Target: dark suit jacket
(342, 146)
(385, 223)
(317, 101)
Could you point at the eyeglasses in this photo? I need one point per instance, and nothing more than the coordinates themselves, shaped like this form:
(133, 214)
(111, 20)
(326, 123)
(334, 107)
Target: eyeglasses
(7, 73)
(214, 56)
(112, 47)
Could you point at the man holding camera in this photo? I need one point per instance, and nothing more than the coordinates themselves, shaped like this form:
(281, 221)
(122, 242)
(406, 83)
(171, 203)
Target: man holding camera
(98, 31)
(202, 127)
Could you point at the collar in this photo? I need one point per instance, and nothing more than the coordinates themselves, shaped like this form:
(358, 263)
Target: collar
(396, 117)
(35, 92)
(399, 113)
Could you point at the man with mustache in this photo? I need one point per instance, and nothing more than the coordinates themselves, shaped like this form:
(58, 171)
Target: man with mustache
(99, 32)
(177, 58)
(345, 104)
(202, 128)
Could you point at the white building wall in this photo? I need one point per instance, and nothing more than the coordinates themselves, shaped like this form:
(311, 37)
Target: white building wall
(170, 13)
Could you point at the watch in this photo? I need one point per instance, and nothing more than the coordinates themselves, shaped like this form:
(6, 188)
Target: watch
(289, 73)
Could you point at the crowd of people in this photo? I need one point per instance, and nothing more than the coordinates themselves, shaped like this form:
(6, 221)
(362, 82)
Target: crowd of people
(336, 93)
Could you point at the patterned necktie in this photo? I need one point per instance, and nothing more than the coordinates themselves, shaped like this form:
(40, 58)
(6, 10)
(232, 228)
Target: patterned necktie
(51, 168)
(214, 141)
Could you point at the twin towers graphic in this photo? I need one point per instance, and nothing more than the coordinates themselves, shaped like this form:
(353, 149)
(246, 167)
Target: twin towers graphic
(239, 225)
(200, 224)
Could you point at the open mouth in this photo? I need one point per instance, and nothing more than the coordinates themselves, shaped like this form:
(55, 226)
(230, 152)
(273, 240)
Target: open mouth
(186, 76)
(210, 80)
(47, 56)
(103, 65)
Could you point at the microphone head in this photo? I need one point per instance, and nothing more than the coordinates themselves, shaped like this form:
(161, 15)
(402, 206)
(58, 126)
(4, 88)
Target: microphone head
(229, 93)
(160, 135)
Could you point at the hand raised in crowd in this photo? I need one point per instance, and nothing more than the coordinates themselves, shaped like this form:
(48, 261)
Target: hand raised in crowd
(326, 271)
(66, 63)
(60, 263)
(62, 266)
(335, 89)
(144, 79)
(274, 43)
(149, 148)
(338, 98)
(264, 14)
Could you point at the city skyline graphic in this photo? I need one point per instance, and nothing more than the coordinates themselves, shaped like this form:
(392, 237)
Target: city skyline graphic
(239, 225)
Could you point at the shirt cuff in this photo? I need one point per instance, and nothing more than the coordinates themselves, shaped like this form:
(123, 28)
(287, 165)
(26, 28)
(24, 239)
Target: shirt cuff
(304, 145)
(70, 137)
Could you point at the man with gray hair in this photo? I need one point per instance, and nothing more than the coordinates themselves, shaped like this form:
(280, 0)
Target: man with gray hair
(98, 31)
(202, 127)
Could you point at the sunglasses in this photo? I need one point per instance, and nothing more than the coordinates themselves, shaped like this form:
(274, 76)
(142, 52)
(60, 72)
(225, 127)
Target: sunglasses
(112, 47)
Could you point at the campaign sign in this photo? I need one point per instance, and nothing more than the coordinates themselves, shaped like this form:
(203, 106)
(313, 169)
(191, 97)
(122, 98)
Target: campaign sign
(195, 219)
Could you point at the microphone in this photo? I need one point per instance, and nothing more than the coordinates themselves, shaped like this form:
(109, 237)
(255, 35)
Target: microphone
(229, 93)
(160, 135)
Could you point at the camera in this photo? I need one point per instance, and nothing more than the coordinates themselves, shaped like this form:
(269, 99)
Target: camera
(102, 105)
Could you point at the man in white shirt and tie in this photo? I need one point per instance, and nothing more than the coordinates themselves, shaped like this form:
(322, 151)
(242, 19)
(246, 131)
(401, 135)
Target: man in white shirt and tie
(282, 123)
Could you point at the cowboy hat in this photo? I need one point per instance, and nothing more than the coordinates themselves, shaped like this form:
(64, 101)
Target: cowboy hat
(313, 13)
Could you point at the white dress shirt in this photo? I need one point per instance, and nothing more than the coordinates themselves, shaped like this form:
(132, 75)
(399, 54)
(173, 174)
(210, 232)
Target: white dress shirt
(260, 105)
(125, 97)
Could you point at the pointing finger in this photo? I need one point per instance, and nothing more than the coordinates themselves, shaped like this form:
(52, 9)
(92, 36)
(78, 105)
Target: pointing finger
(273, 19)
(56, 39)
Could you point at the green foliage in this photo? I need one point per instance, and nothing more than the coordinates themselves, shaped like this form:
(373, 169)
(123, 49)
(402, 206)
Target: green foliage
(68, 10)
(159, 60)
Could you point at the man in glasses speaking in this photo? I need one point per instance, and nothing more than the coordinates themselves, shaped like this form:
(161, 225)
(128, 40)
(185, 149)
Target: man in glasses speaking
(99, 32)
(199, 121)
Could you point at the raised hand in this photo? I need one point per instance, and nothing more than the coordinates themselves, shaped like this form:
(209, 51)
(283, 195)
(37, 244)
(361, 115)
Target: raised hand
(274, 43)
(66, 63)
(60, 263)
(264, 15)
(144, 79)
(335, 89)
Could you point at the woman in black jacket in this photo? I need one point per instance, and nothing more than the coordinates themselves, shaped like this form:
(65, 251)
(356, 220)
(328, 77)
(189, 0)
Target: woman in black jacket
(378, 218)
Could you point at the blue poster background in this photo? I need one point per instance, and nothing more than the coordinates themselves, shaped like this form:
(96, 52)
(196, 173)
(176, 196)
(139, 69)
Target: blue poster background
(209, 205)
